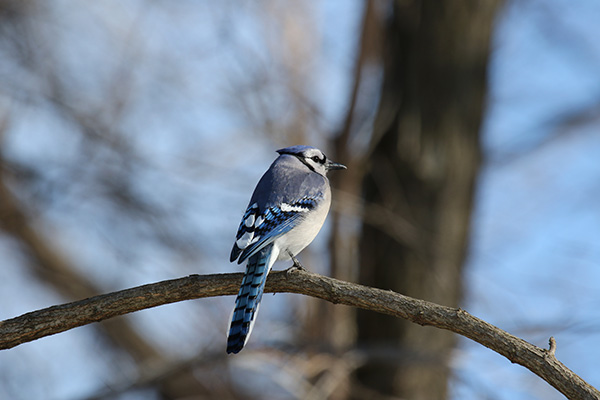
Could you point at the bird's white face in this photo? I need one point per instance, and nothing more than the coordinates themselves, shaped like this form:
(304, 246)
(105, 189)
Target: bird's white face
(315, 159)
(312, 158)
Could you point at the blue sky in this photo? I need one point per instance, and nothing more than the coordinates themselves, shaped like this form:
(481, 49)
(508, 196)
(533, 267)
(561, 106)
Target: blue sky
(535, 258)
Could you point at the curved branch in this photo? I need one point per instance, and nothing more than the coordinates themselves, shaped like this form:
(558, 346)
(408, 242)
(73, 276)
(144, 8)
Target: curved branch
(52, 320)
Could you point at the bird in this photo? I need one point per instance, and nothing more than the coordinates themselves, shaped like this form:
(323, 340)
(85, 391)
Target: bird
(286, 211)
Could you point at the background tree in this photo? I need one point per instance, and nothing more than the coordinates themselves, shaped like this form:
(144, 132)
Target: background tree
(422, 165)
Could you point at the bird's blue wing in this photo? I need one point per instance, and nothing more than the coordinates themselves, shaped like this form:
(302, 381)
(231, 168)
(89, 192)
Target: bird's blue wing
(245, 233)
(259, 229)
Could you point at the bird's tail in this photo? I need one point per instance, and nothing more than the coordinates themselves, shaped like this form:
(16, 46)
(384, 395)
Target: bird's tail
(248, 298)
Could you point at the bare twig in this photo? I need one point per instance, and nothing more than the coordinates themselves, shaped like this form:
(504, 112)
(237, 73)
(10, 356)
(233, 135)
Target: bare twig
(37, 324)
(552, 349)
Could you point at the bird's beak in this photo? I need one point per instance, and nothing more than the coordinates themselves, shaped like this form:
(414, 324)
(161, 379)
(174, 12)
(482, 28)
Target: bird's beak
(333, 165)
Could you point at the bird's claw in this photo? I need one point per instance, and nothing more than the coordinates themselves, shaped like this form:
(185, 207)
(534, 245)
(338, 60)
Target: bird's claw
(297, 263)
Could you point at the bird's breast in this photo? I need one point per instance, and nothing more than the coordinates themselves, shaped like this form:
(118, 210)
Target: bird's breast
(303, 233)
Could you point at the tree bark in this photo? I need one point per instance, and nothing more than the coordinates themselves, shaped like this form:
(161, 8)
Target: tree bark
(52, 320)
(424, 161)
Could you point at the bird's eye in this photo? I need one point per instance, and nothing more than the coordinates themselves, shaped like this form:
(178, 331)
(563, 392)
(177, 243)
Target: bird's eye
(315, 159)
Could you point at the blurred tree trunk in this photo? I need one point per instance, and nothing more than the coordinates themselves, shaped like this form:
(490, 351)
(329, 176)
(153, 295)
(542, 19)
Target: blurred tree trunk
(421, 171)
(344, 217)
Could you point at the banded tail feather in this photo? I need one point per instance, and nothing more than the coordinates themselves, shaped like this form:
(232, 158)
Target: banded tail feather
(248, 299)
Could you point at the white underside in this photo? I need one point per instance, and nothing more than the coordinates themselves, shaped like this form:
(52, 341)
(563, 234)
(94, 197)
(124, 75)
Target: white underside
(303, 234)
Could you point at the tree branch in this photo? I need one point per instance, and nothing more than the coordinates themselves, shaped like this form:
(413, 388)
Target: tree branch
(52, 320)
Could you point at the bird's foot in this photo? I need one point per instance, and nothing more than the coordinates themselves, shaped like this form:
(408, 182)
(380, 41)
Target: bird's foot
(297, 263)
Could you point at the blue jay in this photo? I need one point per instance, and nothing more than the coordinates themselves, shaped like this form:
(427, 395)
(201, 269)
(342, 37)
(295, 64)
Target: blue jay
(286, 211)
